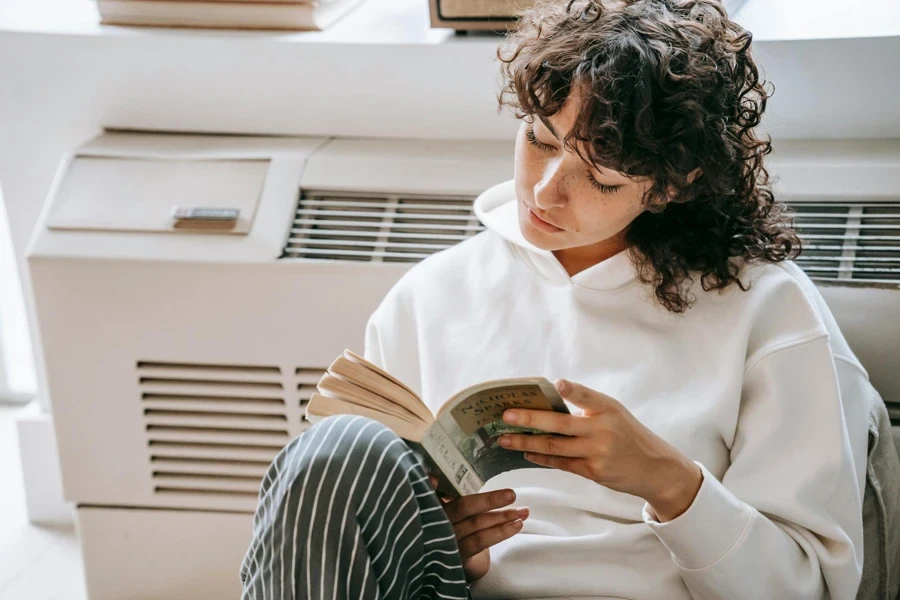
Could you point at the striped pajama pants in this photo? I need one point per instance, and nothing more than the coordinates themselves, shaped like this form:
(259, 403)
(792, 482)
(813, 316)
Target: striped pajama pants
(346, 511)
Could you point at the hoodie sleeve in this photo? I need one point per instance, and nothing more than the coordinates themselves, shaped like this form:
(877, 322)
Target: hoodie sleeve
(785, 519)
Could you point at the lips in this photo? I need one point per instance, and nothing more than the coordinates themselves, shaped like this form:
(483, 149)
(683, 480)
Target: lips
(544, 220)
(540, 221)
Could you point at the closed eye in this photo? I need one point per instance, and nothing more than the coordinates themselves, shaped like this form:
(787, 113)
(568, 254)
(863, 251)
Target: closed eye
(532, 139)
(605, 189)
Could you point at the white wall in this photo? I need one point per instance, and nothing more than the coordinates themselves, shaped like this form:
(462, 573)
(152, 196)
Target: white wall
(17, 377)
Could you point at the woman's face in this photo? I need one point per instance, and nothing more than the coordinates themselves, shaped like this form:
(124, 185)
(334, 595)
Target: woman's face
(565, 203)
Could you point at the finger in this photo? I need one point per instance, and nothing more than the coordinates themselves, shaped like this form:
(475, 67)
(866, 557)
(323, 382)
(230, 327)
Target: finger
(555, 445)
(572, 465)
(467, 506)
(435, 483)
(478, 522)
(584, 397)
(546, 420)
(484, 539)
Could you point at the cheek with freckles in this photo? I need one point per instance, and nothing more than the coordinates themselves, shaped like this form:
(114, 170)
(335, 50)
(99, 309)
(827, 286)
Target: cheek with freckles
(601, 216)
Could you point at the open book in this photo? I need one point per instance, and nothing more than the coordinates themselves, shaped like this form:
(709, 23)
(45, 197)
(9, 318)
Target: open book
(458, 445)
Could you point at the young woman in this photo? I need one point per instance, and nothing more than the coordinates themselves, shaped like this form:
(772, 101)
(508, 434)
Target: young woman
(718, 443)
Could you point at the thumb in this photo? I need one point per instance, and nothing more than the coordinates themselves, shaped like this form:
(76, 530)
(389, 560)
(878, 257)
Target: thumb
(590, 401)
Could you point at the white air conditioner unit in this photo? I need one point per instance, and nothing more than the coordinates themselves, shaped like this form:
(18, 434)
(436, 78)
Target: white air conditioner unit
(179, 360)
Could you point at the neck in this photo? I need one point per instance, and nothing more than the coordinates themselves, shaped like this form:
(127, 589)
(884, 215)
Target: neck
(576, 260)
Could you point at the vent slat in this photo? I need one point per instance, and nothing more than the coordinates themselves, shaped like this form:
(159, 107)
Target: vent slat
(213, 376)
(177, 493)
(272, 439)
(842, 224)
(340, 234)
(376, 244)
(852, 238)
(803, 206)
(402, 216)
(327, 253)
(214, 405)
(235, 452)
(306, 391)
(393, 226)
(892, 249)
(224, 390)
(212, 484)
(210, 466)
(256, 470)
(276, 423)
(351, 195)
(853, 259)
(462, 206)
(838, 216)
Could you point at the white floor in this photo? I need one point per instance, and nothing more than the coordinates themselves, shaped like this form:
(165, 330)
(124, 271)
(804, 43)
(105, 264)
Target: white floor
(36, 563)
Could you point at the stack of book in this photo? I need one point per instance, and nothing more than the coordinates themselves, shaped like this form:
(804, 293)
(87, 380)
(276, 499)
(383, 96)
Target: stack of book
(465, 15)
(498, 15)
(226, 14)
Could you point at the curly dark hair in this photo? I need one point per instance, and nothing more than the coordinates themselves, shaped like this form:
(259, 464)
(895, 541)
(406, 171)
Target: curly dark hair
(667, 87)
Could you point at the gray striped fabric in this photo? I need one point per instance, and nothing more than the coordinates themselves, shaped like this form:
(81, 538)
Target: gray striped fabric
(346, 511)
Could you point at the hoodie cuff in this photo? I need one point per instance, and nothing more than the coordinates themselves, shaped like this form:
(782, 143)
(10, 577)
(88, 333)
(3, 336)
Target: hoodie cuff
(707, 530)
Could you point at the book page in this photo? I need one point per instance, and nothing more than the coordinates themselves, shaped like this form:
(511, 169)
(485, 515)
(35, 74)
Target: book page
(353, 356)
(473, 420)
(337, 387)
(361, 372)
(322, 406)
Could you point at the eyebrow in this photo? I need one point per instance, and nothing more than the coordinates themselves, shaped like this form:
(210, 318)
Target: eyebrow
(549, 126)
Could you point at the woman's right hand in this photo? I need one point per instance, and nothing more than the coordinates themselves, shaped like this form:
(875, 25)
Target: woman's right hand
(479, 525)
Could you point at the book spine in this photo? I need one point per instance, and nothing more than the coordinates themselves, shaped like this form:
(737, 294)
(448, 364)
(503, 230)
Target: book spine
(450, 462)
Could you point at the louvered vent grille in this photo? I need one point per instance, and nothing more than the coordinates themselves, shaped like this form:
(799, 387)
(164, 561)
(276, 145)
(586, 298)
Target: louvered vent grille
(849, 241)
(306, 385)
(214, 429)
(378, 228)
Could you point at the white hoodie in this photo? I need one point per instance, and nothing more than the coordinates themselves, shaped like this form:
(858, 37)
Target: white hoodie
(758, 387)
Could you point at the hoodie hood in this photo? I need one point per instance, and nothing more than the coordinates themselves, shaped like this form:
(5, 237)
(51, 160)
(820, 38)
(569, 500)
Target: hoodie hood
(497, 209)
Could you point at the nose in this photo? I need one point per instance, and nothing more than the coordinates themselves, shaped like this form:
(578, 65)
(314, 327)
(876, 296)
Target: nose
(552, 190)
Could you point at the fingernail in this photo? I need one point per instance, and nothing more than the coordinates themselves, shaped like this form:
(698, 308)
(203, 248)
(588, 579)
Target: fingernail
(517, 524)
(523, 512)
(561, 386)
(510, 416)
(505, 441)
(508, 496)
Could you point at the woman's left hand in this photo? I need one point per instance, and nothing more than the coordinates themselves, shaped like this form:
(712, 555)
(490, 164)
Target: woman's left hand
(608, 445)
